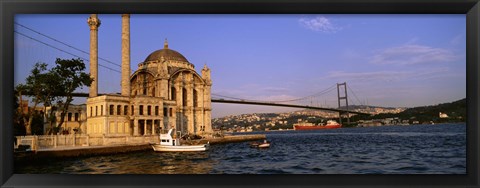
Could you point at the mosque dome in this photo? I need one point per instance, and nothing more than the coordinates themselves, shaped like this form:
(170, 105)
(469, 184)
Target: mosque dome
(166, 54)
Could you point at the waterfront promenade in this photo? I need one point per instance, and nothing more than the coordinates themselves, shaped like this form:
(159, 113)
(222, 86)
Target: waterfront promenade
(84, 145)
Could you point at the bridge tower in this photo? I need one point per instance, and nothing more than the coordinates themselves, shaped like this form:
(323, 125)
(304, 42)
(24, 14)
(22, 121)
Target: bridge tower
(340, 98)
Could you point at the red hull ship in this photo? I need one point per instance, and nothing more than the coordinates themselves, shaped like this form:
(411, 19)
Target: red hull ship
(330, 125)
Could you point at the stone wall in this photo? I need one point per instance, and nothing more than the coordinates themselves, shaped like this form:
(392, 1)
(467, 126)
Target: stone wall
(45, 142)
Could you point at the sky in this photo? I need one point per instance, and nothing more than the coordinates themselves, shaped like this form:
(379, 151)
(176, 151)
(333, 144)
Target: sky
(386, 60)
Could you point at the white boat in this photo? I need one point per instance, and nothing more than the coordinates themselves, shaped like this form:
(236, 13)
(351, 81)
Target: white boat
(168, 143)
(265, 144)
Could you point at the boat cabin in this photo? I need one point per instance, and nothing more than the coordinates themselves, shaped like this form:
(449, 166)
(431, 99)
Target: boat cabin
(168, 140)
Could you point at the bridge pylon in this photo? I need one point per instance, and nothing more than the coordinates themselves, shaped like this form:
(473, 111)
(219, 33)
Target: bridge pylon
(340, 98)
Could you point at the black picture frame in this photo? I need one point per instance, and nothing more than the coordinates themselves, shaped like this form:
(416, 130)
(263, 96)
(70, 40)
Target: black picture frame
(8, 8)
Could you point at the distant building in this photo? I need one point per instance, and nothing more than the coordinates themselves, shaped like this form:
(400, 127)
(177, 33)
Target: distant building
(442, 115)
(75, 120)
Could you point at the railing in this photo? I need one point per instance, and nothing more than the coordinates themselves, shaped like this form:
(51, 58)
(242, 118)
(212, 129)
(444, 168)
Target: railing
(79, 140)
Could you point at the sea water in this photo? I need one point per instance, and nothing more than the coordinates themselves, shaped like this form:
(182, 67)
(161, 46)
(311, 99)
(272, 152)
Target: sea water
(412, 149)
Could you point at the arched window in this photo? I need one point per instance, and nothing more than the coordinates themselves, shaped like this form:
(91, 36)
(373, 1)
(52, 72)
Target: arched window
(184, 94)
(174, 93)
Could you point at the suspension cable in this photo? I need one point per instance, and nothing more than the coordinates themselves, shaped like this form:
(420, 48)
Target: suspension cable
(51, 46)
(354, 95)
(66, 44)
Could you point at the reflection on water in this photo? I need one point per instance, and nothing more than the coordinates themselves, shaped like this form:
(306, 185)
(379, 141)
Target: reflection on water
(145, 163)
(420, 149)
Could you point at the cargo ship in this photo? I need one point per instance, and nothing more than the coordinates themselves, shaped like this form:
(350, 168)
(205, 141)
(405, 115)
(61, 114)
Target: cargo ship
(331, 124)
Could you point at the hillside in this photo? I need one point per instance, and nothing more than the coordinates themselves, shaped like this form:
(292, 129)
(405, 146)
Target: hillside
(456, 112)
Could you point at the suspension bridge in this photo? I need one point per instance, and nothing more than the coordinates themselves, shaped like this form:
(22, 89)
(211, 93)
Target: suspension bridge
(26, 33)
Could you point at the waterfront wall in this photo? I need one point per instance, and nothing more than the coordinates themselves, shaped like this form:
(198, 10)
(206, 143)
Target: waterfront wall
(72, 141)
(42, 142)
(85, 145)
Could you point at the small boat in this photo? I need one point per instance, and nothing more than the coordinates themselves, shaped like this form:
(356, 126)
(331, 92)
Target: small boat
(265, 144)
(168, 143)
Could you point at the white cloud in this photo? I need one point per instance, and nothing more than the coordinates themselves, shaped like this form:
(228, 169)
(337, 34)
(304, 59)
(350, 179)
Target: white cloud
(391, 75)
(319, 23)
(275, 97)
(275, 89)
(413, 54)
(369, 76)
(459, 39)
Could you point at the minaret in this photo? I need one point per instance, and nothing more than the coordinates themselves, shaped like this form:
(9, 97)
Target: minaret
(207, 99)
(125, 54)
(165, 44)
(94, 23)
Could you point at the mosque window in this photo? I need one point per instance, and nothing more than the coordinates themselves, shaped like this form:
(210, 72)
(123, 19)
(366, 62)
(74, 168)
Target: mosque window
(174, 93)
(149, 110)
(133, 110)
(96, 110)
(171, 112)
(184, 94)
(76, 116)
(125, 110)
(101, 110)
(69, 117)
(119, 109)
(165, 112)
(156, 110)
(195, 98)
(111, 109)
(91, 111)
(140, 111)
(153, 92)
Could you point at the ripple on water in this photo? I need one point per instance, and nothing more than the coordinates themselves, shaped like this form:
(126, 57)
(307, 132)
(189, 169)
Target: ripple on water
(393, 150)
(273, 171)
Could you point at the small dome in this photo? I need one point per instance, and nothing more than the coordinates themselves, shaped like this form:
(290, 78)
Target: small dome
(167, 54)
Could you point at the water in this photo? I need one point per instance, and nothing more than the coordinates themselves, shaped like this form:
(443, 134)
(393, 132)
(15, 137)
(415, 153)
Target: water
(416, 149)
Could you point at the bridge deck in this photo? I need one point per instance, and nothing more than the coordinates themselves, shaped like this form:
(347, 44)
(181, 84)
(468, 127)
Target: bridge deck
(285, 105)
(261, 103)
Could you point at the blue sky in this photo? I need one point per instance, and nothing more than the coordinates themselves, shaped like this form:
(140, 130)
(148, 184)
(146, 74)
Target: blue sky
(387, 60)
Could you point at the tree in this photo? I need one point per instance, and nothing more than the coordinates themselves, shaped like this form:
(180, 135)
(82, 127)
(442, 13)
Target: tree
(34, 86)
(53, 88)
(18, 126)
(72, 77)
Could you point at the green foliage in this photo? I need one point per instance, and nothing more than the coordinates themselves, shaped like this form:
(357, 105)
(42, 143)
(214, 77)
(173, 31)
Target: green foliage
(37, 124)
(70, 72)
(53, 87)
(38, 85)
(18, 125)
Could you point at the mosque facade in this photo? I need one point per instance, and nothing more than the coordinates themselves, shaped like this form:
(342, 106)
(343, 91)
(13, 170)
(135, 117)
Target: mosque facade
(164, 92)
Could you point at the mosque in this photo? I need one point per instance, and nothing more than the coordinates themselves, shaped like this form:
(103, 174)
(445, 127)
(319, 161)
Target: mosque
(164, 92)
